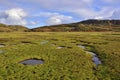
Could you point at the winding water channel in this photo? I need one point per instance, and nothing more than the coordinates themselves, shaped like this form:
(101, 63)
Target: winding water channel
(95, 59)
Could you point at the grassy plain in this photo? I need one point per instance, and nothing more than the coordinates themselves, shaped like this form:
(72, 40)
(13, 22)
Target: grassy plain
(68, 63)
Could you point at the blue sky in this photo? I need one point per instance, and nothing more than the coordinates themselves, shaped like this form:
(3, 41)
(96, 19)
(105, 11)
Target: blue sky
(35, 13)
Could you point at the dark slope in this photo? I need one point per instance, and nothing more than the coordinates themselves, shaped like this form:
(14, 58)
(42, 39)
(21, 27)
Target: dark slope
(86, 26)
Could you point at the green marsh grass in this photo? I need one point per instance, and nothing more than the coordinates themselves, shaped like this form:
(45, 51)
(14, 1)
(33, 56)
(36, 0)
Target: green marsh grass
(68, 63)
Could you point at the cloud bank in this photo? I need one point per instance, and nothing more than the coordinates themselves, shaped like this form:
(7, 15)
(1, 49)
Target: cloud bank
(115, 15)
(13, 17)
(56, 18)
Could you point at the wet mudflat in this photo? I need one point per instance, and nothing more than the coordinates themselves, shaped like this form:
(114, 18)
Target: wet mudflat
(2, 45)
(44, 42)
(81, 46)
(60, 47)
(1, 51)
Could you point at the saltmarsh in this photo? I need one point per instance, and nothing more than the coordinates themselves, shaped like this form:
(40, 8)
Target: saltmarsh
(67, 63)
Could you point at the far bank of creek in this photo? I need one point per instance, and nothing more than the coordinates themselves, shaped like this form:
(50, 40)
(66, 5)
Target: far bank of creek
(95, 58)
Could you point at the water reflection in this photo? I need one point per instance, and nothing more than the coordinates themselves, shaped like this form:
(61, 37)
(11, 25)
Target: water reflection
(32, 61)
(95, 59)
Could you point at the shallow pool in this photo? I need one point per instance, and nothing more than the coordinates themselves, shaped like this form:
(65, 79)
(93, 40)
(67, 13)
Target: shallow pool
(32, 61)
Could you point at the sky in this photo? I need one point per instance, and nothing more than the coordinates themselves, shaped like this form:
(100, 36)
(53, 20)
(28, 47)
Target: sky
(35, 13)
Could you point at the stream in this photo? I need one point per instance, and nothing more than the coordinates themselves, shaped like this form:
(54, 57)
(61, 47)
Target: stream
(95, 59)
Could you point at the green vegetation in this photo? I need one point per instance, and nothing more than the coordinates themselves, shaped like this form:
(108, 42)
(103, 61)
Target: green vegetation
(68, 63)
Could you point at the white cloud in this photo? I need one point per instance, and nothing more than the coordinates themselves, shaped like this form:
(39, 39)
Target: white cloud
(56, 18)
(79, 8)
(105, 13)
(84, 9)
(46, 14)
(33, 23)
(99, 17)
(111, 1)
(62, 5)
(13, 16)
(115, 15)
(84, 13)
(87, 1)
(110, 15)
(53, 21)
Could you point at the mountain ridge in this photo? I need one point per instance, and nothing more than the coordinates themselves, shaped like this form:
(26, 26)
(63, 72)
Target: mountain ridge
(91, 25)
(85, 26)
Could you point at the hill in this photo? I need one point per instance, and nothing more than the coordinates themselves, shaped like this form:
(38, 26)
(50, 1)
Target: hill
(12, 28)
(86, 26)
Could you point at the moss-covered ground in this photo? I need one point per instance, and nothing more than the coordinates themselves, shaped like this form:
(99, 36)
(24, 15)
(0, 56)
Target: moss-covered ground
(68, 63)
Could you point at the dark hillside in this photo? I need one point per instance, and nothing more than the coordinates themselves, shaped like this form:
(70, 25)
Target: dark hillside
(85, 26)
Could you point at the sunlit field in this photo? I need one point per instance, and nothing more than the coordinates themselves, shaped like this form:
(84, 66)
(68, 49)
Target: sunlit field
(62, 58)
